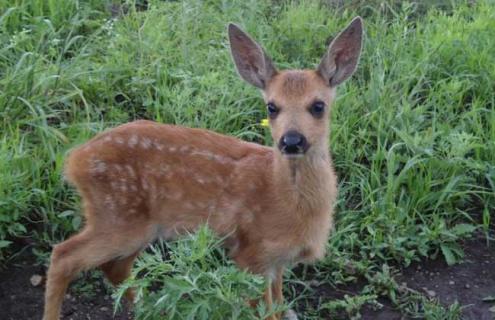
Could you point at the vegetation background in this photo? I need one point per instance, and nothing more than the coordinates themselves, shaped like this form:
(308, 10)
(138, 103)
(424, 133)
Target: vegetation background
(412, 134)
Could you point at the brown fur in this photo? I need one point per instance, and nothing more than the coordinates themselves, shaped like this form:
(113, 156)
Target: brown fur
(145, 180)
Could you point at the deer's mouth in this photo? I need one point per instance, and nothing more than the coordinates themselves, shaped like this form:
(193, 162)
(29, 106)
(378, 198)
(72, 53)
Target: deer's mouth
(294, 156)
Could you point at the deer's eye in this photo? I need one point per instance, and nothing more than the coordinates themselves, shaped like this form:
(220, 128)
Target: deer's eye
(317, 109)
(272, 110)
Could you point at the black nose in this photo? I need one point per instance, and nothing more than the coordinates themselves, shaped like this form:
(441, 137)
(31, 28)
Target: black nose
(292, 142)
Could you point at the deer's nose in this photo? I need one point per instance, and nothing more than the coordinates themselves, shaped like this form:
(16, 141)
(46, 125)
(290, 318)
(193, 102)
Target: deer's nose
(292, 142)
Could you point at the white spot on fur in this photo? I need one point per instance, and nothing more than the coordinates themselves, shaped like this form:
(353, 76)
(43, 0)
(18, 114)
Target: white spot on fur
(109, 201)
(159, 146)
(202, 153)
(221, 159)
(162, 194)
(212, 208)
(164, 169)
(130, 170)
(172, 149)
(145, 184)
(108, 138)
(175, 194)
(188, 205)
(201, 180)
(133, 141)
(99, 166)
(219, 180)
(146, 143)
(248, 217)
(184, 149)
(119, 140)
(153, 190)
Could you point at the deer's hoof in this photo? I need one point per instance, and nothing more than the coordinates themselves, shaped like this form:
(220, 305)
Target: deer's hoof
(290, 315)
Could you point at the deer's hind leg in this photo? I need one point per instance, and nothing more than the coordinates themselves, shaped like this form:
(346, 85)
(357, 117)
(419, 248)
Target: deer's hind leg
(89, 249)
(119, 270)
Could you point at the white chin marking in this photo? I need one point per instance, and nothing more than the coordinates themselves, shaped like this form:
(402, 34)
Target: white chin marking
(294, 156)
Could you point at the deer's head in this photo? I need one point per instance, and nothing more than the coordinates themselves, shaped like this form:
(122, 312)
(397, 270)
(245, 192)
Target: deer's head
(298, 101)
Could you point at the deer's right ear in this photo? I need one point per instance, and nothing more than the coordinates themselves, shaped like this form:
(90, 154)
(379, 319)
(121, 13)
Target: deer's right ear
(251, 61)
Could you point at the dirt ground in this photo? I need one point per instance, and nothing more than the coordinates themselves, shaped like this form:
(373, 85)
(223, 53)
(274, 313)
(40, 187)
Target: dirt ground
(20, 300)
(468, 283)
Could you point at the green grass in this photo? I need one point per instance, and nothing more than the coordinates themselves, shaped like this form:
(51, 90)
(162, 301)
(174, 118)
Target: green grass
(412, 134)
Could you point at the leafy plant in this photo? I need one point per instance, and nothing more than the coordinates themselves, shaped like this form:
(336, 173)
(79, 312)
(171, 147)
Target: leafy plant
(351, 305)
(191, 278)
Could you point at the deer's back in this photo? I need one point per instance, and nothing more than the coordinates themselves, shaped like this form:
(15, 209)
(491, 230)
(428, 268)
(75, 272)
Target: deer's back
(143, 169)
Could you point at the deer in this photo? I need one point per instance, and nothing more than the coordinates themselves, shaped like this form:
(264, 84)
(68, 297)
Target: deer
(144, 180)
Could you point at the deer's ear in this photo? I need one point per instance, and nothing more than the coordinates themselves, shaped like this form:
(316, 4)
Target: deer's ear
(341, 59)
(250, 59)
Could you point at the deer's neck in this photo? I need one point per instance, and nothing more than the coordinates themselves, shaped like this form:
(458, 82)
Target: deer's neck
(307, 182)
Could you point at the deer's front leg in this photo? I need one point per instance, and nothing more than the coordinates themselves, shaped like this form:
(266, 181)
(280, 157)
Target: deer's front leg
(274, 293)
(277, 286)
(268, 297)
(247, 258)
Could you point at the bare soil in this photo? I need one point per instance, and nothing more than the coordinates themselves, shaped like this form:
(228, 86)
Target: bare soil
(468, 283)
(20, 300)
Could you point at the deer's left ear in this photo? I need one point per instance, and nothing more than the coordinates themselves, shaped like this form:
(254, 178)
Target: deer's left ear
(341, 59)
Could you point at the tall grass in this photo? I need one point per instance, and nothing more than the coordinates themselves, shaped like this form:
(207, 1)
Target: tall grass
(412, 134)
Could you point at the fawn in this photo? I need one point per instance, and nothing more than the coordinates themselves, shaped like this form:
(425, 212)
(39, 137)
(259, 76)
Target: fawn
(145, 180)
